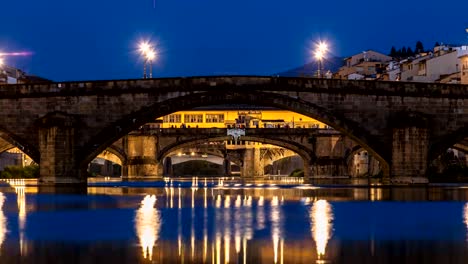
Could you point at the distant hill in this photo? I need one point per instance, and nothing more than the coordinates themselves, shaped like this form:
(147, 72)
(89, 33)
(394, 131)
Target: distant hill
(310, 69)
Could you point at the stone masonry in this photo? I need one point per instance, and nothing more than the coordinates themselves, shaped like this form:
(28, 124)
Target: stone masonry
(104, 111)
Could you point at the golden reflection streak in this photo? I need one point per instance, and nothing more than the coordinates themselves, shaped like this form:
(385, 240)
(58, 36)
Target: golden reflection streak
(179, 201)
(205, 244)
(282, 251)
(261, 213)
(227, 243)
(275, 225)
(218, 248)
(20, 189)
(218, 201)
(321, 216)
(227, 230)
(192, 231)
(205, 224)
(244, 246)
(21, 200)
(171, 195)
(148, 225)
(237, 223)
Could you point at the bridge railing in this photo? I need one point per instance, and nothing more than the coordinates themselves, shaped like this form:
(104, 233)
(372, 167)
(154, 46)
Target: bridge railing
(266, 83)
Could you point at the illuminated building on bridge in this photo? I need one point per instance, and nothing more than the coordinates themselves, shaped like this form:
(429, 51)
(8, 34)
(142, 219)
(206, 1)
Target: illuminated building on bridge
(224, 117)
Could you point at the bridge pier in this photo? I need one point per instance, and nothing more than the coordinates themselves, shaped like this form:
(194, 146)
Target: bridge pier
(327, 167)
(410, 150)
(327, 157)
(226, 167)
(252, 166)
(57, 146)
(141, 157)
(168, 170)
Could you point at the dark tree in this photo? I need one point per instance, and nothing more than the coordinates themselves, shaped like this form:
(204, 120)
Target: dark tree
(404, 53)
(436, 44)
(409, 52)
(398, 53)
(393, 52)
(419, 47)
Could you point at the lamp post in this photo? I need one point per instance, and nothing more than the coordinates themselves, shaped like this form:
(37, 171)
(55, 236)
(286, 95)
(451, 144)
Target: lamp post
(150, 55)
(319, 54)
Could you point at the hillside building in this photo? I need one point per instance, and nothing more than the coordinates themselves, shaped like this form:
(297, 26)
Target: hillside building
(367, 65)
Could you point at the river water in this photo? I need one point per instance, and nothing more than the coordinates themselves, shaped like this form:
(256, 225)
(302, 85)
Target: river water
(223, 221)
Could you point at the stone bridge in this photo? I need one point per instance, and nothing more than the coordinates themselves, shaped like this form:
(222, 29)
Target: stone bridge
(63, 126)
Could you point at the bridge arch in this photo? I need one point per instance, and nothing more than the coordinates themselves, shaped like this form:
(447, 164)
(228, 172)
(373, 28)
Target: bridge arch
(9, 141)
(456, 139)
(299, 149)
(293, 146)
(248, 96)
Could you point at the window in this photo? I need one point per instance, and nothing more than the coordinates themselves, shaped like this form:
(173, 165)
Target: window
(193, 118)
(214, 118)
(174, 118)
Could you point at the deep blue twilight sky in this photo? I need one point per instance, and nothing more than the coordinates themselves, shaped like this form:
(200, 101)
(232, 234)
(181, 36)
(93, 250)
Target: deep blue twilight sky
(97, 39)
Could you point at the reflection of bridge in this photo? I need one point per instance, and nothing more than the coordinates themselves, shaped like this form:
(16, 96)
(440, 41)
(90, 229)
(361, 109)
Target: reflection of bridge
(63, 126)
(143, 152)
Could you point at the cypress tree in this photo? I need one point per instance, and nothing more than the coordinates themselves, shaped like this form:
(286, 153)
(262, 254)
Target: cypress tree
(419, 47)
(393, 52)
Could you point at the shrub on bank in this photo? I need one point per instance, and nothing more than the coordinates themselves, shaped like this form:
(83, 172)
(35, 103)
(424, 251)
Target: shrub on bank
(19, 172)
(297, 173)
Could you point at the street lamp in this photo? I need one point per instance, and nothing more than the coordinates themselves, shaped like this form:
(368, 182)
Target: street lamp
(149, 55)
(1, 62)
(319, 54)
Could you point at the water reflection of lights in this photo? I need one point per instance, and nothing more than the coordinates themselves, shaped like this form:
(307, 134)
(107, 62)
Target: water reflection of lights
(20, 188)
(232, 223)
(275, 219)
(148, 225)
(321, 216)
(261, 213)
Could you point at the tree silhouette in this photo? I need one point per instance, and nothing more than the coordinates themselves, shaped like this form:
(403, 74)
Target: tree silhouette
(393, 52)
(404, 53)
(419, 47)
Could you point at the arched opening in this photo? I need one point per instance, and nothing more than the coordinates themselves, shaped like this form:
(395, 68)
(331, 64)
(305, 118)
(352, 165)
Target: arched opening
(197, 160)
(252, 97)
(451, 165)
(14, 161)
(361, 164)
(108, 163)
